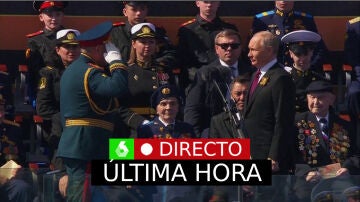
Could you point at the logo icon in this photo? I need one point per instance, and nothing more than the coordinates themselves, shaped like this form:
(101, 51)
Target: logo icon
(121, 149)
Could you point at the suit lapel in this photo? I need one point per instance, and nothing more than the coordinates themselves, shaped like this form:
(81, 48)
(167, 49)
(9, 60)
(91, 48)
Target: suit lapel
(250, 100)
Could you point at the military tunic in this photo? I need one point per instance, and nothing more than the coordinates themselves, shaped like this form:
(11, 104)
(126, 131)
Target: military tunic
(156, 129)
(144, 79)
(121, 37)
(40, 52)
(86, 101)
(302, 79)
(280, 23)
(196, 45)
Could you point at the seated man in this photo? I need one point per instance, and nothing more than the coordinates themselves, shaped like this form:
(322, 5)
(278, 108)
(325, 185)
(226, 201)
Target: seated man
(229, 124)
(323, 138)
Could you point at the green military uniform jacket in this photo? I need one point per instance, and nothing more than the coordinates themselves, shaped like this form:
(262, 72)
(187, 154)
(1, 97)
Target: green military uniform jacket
(86, 103)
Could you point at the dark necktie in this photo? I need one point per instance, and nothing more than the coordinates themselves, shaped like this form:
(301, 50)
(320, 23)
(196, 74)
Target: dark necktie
(255, 82)
(234, 71)
(324, 129)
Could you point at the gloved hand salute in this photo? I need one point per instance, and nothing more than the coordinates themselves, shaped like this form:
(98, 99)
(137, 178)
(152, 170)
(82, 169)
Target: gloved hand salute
(112, 53)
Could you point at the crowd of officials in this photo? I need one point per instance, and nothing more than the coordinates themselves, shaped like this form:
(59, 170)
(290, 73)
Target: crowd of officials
(127, 79)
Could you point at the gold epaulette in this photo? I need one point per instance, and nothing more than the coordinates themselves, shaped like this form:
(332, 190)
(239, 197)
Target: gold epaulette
(352, 21)
(188, 22)
(117, 24)
(8, 122)
(34, 34)
(49, 67)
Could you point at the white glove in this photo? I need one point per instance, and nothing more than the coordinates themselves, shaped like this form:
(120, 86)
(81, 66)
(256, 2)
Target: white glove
(112, 53)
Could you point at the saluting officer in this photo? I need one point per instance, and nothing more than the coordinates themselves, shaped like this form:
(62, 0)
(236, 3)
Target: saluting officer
(282, 20)
(41, 44)
(87, 99)
(136, 12)
(301, 45)
(145, 73)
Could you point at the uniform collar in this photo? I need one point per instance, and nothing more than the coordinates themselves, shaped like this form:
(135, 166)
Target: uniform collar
(166, 124)
(283, 14)
(202, 21)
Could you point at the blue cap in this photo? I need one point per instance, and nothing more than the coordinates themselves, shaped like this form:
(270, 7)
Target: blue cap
(164, 92)
(319, 86)
(96, 35)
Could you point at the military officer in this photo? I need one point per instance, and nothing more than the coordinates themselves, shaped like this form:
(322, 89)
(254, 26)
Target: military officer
(87, 99)
(323, 138)
(145, 73)
(41, 44)
(282, 20)
(48, 94)
(196, 44)
(136, 12)
(301, 45)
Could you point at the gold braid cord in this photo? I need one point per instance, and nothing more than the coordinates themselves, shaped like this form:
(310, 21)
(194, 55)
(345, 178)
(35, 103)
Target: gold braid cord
(93, 105)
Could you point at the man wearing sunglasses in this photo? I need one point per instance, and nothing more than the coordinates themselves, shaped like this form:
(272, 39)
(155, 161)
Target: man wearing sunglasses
(204, 99)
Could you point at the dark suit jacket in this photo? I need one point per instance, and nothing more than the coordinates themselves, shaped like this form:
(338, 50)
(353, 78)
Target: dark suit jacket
(204, 100)
(269, 115)
(222, 126)
(323, 151)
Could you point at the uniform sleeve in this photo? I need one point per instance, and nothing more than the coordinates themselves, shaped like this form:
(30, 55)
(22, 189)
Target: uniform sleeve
(45, 102)
(213, 132)
(115, 85)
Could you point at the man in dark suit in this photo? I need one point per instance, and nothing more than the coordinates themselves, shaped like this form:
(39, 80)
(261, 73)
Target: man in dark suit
(269, 112)
(323, 138)
(228, 124)
(270, 104)
(204, 99)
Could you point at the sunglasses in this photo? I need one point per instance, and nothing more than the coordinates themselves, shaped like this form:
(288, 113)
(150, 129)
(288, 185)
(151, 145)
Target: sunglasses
(225, 46)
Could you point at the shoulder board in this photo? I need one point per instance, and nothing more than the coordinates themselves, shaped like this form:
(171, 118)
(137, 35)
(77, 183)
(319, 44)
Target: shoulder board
(188, 22)
(34, 34)
(7, 122)
(49, 67)
(352, 21)
(117, 24)
(260, 15)
(303, 14)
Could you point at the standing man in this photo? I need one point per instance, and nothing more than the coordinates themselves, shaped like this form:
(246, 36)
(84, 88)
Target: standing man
(270, 104)
(41, 44)
(87, 102)
(282, 20)
(229, 123)
(196, 39)
(269, 111)
(204, 99)
(136, 12)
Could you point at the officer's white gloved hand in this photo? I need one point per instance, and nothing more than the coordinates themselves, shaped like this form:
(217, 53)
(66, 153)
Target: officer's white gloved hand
(112, 53)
